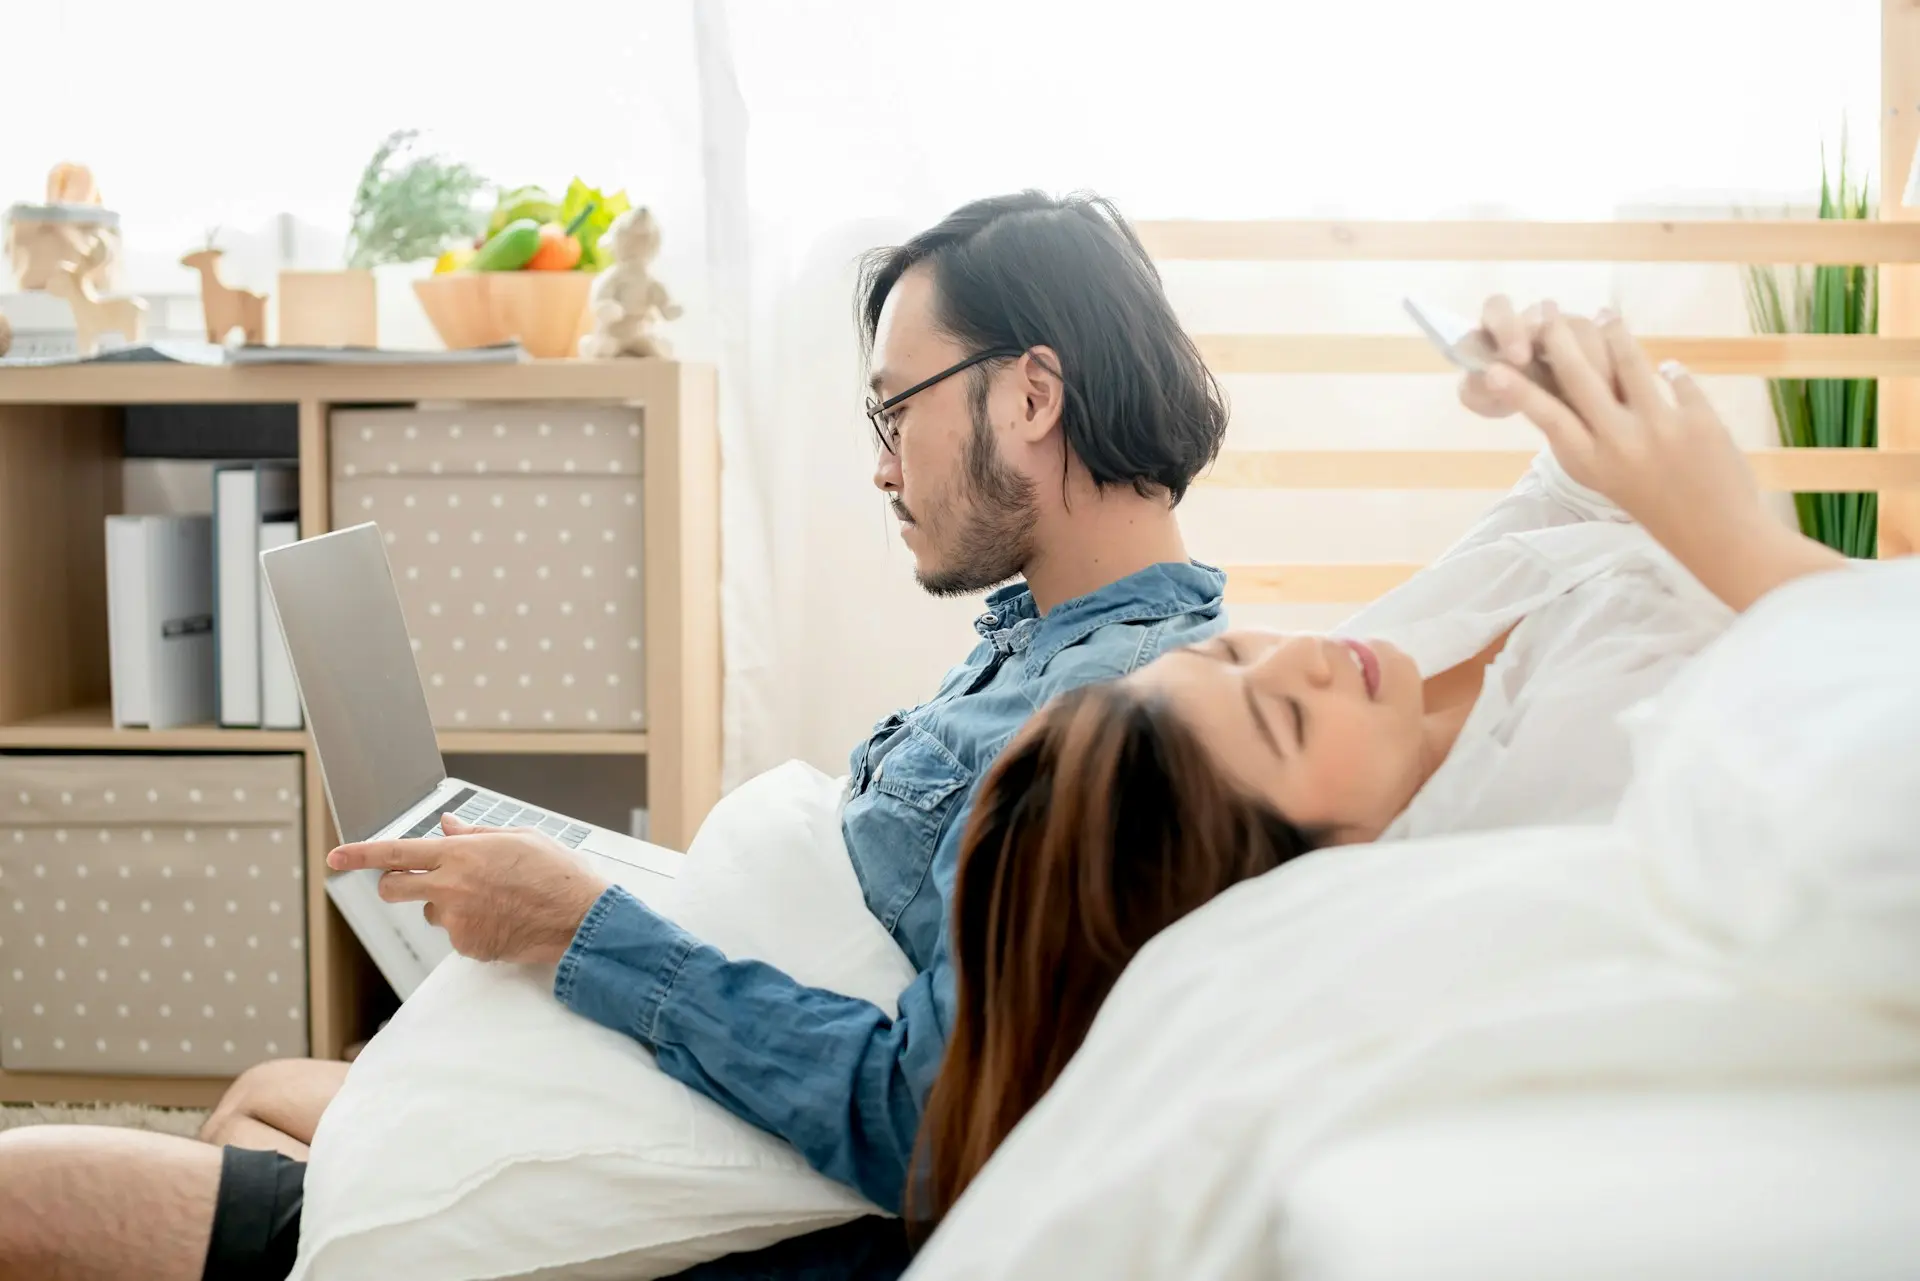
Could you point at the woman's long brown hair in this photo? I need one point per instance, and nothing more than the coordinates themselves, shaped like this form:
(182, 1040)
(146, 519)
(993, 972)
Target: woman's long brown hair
(1101, 824)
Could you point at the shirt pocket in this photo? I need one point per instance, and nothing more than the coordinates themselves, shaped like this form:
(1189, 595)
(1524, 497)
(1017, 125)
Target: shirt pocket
(893, 821)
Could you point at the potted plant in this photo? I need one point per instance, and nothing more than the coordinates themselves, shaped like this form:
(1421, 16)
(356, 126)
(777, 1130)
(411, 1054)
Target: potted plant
(1825, 413)
(409, 206)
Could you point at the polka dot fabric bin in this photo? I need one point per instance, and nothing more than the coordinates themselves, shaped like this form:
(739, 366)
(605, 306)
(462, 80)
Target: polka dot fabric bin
(515, 538)
(152, 914)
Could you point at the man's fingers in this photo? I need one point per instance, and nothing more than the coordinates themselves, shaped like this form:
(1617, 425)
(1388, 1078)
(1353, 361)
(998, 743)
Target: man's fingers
(1587, 389)
(1631, 369)
(1510, 334)
(406, 887)
(386, 856)
(432, 912)
(455, 827)
(1567, 435)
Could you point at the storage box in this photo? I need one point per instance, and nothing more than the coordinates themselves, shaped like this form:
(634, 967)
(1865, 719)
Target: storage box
(515, 538)
(152, 913)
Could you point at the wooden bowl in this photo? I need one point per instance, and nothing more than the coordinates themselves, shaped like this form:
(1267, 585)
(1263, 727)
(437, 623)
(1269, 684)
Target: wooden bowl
(546, 310)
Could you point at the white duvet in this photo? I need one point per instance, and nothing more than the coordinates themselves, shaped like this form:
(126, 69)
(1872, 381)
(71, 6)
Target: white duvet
(1751, 920)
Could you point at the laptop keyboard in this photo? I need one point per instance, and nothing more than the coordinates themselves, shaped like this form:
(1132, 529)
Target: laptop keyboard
(484, 809)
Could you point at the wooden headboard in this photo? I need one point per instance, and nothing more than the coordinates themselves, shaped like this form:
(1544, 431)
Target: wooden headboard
(1893, 354)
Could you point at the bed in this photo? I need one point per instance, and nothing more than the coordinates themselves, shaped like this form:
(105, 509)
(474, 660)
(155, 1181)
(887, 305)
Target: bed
(1685, 1044)
(1192, 1139)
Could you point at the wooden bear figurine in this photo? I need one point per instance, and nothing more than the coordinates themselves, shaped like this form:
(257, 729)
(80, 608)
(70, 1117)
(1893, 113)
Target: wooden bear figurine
(227, 309)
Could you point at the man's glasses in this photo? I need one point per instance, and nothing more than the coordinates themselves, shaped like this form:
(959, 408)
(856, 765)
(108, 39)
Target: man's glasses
(879, 412)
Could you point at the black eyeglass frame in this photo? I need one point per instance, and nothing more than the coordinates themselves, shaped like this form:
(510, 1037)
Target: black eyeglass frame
(875, 408)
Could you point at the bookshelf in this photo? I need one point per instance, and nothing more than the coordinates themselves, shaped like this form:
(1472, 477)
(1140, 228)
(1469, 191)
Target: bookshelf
(60, 453)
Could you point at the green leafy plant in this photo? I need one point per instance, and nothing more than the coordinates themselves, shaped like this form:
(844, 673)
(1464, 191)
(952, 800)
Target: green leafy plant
(410, 206)
(1825, 413)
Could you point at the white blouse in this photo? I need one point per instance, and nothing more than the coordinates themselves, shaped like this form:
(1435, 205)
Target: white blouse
(1605, 617)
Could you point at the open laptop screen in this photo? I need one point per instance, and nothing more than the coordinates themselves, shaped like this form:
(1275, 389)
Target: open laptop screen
(358, 682)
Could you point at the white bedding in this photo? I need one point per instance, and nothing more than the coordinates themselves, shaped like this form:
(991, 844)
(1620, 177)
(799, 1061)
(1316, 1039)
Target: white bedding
(1751, 922)
(488, 1132)
(1760, 1184)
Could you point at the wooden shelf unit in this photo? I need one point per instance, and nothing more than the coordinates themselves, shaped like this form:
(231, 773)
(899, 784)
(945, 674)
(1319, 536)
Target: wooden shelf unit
(60, 452)
(92, 729)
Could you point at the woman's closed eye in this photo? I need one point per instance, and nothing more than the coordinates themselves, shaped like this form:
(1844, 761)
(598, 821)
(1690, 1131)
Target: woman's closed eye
(1256, 705)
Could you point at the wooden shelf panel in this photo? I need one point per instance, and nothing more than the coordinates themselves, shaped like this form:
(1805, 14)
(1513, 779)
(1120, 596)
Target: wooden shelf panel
(155, 1091)
(602, 380)
(92, 729)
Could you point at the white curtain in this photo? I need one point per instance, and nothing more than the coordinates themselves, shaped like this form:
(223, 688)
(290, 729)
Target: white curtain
(777, 139)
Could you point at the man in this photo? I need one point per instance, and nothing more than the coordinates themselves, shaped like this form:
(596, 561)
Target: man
(1039, 413)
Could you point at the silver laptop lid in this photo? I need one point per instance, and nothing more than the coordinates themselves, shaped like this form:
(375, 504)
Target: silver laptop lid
(353, 662)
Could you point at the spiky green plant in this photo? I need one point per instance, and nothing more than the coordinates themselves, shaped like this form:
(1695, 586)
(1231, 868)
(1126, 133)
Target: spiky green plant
(1825, 412)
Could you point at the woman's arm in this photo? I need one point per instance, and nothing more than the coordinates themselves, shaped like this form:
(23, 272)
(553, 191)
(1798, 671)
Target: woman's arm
(1667, 460)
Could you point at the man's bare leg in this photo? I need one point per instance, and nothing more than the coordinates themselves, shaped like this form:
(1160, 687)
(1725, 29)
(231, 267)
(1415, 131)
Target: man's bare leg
(275, 1106)
(86, 1203)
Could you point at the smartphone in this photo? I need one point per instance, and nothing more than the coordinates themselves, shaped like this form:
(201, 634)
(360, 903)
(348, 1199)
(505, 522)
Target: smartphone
(1466, 345)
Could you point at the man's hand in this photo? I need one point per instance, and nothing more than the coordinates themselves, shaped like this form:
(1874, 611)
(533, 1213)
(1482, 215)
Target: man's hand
(502, 894)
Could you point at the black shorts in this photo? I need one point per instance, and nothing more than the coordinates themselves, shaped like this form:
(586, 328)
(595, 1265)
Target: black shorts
(256, 1217)
(256, 1234)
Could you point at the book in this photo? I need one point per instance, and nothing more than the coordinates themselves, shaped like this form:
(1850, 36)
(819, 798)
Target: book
(164, 352)
(506, 353)
(160, 620)
(279, 696)
(244, 497)
(221, 433)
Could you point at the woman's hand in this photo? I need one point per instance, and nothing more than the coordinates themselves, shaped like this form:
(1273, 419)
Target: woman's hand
(1516, 337)
(1654, 445)
(1666, 459)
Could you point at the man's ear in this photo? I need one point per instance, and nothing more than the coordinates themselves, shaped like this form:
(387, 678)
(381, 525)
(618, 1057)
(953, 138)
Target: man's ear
(1043, 395)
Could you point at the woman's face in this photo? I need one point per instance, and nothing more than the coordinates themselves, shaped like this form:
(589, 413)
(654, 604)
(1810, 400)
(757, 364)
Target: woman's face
(1327, 731)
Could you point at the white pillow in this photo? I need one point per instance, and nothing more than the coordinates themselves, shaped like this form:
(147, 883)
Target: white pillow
(489, 1132)
(1776, 791)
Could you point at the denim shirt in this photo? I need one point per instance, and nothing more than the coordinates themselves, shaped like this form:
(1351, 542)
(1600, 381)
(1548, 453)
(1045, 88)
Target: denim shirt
(831, 1074)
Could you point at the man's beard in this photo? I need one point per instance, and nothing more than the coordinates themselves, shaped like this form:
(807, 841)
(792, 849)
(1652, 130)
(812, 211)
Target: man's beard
(994, 542)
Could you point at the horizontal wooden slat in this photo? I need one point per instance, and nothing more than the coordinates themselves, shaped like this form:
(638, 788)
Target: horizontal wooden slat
(1772, 356)
(1736, 241)
(1802, 470)
(1311, 584)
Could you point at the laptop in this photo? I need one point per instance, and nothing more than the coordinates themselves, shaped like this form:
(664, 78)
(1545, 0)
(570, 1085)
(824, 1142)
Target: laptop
(366, 709)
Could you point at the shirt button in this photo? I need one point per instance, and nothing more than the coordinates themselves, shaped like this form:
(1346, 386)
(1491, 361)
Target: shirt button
(991, 620)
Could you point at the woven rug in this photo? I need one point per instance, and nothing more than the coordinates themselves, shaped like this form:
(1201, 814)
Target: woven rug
(130, 1116)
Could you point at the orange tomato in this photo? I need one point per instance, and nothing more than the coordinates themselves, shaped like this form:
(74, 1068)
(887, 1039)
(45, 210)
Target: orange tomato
(557, 252)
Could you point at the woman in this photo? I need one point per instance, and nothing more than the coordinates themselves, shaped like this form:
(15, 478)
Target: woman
(1482, 695)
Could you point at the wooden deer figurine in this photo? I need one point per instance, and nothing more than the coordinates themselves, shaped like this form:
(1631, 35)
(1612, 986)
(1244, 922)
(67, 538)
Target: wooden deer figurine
(226, 309)
(93, 315)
